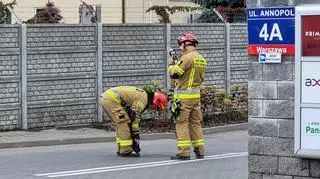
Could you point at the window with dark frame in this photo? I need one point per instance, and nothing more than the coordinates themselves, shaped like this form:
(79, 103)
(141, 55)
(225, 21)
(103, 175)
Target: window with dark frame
(39, 10)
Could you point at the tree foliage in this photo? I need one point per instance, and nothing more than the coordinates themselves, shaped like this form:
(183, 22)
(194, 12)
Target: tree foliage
(90, 12)
(50, 14)
(4, 11)
(230, 12)
(163, 12)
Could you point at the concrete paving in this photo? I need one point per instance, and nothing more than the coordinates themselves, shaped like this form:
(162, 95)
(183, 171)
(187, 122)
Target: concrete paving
(226, 157)
(14, 139)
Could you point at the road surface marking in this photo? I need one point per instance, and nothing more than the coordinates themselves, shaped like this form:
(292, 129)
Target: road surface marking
(137, 165)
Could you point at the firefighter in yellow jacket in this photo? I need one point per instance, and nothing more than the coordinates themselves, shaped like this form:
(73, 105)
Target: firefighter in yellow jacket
(124, 105)
(189, 71)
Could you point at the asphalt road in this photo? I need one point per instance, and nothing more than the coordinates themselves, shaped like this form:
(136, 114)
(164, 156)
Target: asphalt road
(226, 158)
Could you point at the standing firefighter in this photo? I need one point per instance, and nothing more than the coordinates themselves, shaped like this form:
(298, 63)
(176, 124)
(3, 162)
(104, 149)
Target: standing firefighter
(189, 71)
(124, 105)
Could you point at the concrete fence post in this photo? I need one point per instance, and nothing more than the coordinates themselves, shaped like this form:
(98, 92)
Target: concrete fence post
(167, 56)
(228, 54)
(99, 70)
(24, 91)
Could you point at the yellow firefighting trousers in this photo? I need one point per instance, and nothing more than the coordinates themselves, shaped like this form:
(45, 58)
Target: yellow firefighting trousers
(188, 127)
(120, 120)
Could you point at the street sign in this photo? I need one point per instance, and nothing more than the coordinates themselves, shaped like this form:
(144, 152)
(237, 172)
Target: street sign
(271, 30)
(270, 58)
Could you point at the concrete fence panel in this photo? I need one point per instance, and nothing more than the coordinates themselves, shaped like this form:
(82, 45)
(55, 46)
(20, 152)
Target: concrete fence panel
(10, 81)
(211, 45)
(61, 75)
(53, 75)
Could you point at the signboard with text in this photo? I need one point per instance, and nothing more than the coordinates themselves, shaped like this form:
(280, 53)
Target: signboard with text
(271, 30)
(307, 82)
(310, 87)
(270, 58)
(310, 128)
(310, 35)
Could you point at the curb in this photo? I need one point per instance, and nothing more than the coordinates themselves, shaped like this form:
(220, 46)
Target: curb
(154, 136)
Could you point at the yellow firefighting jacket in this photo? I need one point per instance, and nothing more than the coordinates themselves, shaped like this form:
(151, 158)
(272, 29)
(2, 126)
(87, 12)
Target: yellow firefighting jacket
(189, 72)
(136, 98)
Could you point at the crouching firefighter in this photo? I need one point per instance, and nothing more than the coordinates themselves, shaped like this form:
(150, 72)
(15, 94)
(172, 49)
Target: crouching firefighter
(123, 105)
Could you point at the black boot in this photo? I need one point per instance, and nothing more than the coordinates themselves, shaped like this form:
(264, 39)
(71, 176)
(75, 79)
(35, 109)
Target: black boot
(198, 155)
(180, 157)
(136, 147)
(130, 154)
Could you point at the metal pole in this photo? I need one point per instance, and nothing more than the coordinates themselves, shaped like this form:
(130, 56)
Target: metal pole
(143, 11)
(123, 11)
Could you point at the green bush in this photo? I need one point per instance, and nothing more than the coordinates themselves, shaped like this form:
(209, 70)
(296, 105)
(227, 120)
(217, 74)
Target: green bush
(5, 14)
(50, 14)
(218, 108)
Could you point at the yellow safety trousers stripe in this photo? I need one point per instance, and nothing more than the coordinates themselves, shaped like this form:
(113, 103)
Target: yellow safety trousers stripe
(184, 143)
(198, 142)
(117, 140)
(125, 142)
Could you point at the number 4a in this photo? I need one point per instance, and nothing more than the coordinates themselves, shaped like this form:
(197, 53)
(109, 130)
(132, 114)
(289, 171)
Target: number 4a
(275, 32)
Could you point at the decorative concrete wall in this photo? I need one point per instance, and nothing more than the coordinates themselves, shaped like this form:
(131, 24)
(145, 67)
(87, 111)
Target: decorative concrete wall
(52, 75)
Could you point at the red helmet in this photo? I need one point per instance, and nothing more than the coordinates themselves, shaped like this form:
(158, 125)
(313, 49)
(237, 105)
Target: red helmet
(159, 101)
(188, 38)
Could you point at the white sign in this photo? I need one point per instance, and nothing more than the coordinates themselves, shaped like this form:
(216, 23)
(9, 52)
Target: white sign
(307, 83)
(310, 128)
(310, 82)
(270, 58)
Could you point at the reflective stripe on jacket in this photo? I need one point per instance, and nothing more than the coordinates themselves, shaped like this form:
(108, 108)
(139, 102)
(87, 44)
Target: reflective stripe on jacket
(136, 98)
(190, 70)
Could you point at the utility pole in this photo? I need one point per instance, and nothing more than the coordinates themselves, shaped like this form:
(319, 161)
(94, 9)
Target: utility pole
(123, 11)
